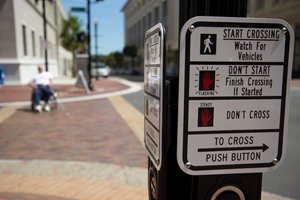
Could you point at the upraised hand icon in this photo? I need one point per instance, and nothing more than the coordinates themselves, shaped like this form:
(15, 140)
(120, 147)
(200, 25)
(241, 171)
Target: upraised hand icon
(207, 80)
(205, 117)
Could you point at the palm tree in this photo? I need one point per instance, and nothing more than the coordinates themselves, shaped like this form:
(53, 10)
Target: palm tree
(130, 51)
(71, 28)
(69, 38)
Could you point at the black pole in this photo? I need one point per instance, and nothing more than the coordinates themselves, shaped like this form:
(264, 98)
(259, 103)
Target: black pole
(221, 8)
(96, 39)
(45, 35)
(202, 187)
(90, 85)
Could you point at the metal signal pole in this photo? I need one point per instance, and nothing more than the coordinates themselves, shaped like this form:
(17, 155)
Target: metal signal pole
(90, 84)
(96, 37)
(45, 35)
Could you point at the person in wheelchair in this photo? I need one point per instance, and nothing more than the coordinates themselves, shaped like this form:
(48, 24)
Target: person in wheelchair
(40, 84)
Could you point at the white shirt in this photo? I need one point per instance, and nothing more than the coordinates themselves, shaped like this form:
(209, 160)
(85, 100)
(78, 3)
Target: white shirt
(42, 78)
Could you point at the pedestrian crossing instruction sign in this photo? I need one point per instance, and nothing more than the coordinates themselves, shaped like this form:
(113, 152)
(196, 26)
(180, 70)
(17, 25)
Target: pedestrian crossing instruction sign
(154, 73)
(234, 80)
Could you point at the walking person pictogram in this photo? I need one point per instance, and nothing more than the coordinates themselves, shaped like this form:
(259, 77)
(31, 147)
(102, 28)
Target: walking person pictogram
(207, 43)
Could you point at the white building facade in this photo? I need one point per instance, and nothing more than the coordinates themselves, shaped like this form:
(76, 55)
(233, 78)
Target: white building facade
(140, 15)
(22, 44)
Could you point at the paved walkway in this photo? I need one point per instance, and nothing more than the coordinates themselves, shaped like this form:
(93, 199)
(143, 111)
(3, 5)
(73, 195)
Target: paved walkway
(86, 149)
(73, 152)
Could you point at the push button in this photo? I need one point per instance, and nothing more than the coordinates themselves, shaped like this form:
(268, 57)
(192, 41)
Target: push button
(228, 193)
(152, 184)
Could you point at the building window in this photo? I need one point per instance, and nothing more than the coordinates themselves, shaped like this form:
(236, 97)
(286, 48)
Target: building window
(33, 43)
(156, 14)
(41, 46)
(260, 4)
(49, 49)
(138, 6)
(141, 35)
(144, 24)
(149, 19)
(165, 13)
(24, 40)
(297, 50)
(275, 2)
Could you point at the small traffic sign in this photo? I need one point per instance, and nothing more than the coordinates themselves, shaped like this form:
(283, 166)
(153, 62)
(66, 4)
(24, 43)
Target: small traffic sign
(234, 78)
(154, 73)
(78, 9)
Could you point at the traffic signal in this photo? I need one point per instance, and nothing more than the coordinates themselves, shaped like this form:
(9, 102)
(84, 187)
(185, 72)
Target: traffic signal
(81, 37)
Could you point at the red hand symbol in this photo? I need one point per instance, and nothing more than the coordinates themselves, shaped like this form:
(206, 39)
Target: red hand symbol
(205, 118)
(206, 80)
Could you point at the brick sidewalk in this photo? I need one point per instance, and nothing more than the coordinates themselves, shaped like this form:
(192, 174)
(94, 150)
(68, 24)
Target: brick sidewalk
(82, 150)
(81, 132)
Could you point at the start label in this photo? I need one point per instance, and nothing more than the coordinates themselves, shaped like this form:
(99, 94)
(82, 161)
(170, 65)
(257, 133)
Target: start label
(233, 94)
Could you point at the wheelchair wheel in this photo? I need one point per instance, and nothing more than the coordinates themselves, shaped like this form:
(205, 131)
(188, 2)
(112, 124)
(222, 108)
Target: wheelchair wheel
(53, 102)
(32, 107)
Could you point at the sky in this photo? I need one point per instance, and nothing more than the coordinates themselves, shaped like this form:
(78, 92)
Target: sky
(110, 23)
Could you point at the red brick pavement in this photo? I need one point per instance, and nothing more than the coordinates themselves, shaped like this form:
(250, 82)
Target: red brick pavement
(10, 93)
(89, 131)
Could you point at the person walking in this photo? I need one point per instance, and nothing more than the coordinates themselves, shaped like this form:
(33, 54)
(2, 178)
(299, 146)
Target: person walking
(40, 84)
(207, 43)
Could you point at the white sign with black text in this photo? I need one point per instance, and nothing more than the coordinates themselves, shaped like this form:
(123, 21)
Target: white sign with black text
(153, 83)
(232, 149)
(233, 99)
